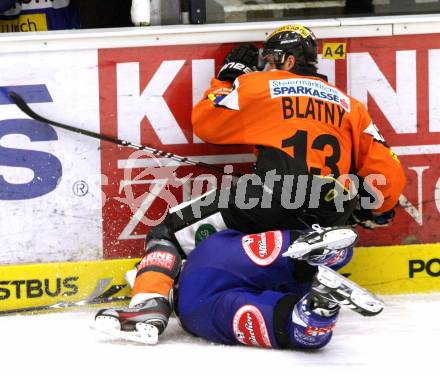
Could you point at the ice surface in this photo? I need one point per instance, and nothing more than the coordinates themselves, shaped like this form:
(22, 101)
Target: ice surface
(403, 340)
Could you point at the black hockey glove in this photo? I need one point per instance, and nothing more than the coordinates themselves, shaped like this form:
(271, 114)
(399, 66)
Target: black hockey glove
(370, 220)
(366, 217)
(240, 60)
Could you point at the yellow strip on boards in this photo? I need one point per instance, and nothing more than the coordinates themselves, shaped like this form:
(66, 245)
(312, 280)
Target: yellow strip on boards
(399, 269)
(39, 285)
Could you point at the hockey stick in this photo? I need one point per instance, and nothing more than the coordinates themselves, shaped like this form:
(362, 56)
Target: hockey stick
(23, 106)
(60, 305)
(100, 295)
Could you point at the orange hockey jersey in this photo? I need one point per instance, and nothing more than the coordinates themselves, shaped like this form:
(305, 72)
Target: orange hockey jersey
(307, 118)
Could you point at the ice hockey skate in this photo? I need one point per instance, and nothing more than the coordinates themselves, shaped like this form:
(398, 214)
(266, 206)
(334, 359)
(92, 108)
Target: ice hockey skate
(321, 244)
(141, 323)
(330, 289)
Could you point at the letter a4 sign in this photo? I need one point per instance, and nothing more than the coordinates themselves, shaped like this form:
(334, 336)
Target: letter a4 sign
(334, 51)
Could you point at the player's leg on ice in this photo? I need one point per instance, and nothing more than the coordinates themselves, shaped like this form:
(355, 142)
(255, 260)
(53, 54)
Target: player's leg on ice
(150, 306)
(253, 317)
(315, 315)
(268, 318)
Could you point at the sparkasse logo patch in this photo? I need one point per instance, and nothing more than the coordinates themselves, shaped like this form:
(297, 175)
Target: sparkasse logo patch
(304, 87)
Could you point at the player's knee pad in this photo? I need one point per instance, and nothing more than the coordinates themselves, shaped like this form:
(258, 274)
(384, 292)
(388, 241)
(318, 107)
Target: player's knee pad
(307, 329)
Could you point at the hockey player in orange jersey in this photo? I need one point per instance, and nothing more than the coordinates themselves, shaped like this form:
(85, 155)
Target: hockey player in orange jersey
(303, 116)
(301, 126)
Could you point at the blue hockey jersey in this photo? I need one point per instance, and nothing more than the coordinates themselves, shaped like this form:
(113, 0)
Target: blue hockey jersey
(237, 288)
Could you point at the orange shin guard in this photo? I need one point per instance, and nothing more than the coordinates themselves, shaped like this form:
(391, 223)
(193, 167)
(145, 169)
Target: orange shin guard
(152, 282)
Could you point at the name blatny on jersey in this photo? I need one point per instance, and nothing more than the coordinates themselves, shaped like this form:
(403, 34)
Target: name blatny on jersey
(318, 106)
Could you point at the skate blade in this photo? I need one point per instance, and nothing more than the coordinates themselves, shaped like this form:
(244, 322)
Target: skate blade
(145, 334)
(358, 299)
(332, 239)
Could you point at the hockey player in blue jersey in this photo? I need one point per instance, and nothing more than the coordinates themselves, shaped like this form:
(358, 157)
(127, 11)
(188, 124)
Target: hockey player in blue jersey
(238, 288)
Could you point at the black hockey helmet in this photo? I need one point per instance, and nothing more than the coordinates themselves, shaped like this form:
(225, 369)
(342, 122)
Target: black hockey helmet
(296, 40)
